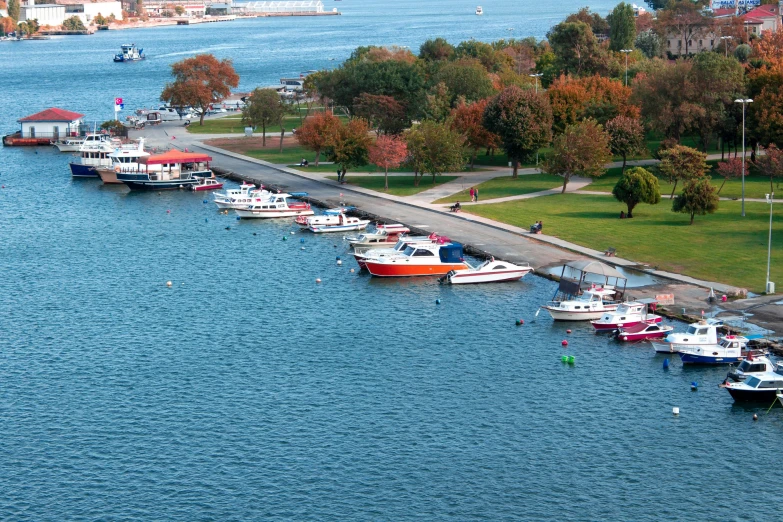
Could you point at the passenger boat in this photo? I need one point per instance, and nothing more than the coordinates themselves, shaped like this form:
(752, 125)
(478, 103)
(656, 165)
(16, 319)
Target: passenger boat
(627, 314)
(365, 253)
(489, 271)
(177, 170)
(752, 365)
(642, 332)
(419, 260)
(124, 159)
(276, 206)
(384, 236)
(704, 332)
(243, 197)
(207, 184)
(129, 53)
(587, 290)
(69, 145)
(93, 153)
(762, 387)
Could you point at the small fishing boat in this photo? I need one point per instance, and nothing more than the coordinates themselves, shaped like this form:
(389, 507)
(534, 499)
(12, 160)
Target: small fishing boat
(247, 194)
(590, 305)
(489, 271)
(176, 170)
(702, 333)
(339, 223)
(419, 260)
(129, 53)
(384, 236)
(207, 184)
(69, 145)
(329, 215)
(276, 206)
(627, 314)
(730, 349)
(752, 365)
(587, 290)
(762, 387)
(642, 332)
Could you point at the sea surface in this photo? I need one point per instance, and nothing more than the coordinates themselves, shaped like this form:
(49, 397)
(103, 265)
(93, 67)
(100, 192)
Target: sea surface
(247, 391)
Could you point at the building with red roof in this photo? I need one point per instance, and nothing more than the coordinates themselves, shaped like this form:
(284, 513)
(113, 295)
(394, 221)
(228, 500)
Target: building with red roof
(51, 123)
(762, 18)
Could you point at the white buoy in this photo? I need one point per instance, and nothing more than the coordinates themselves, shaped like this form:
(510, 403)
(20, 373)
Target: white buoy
(339, 262)
(318, 280)
(303, 248)
(675, 411)
(352, 270)
(168, 283)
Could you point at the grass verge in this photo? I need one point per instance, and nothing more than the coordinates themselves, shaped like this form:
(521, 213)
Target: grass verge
(507, 186)
(398, 185)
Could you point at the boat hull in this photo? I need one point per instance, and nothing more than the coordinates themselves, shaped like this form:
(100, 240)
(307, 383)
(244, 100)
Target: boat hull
(631, 337)
(404, 269)
(766, 395)
(109, 177)
(68, 147)
(573, 315)
(499, 276)
(83, 171)
(159, 185)
(690, 358)
(604, 327)
(273, 213)
(201, 188)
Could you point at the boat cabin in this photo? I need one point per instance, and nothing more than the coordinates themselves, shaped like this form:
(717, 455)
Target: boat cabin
(578, 277)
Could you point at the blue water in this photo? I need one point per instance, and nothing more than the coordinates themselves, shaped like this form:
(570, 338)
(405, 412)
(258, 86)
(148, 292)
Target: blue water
(246, 391)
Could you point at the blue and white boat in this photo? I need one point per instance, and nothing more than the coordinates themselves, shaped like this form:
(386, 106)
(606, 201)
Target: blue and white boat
(129, 53)
(94, 154)
(170, 170)
(731, 349)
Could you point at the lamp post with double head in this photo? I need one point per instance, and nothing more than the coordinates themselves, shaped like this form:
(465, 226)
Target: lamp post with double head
(770, 286)
(744, 102)
(536, 77)
(626, 52)
(726, 44)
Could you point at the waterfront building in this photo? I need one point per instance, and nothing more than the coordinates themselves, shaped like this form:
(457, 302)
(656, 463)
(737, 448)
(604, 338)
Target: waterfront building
(87, 11)
(51, 123)
(195, 9)
(282, 6)
(45, 14)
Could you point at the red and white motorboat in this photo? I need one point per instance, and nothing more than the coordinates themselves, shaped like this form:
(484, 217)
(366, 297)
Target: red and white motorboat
(276, 206)
(436, 258)
(207, 184)
(643, 332)
(489, 271)
(627, 314)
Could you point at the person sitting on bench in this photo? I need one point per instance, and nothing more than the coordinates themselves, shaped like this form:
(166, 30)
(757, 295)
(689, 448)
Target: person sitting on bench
(456, 207)
(536, 229)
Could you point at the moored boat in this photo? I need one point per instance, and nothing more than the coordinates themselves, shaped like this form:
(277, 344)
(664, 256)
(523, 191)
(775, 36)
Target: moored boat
(590, 305)
(627, 314)
(419, 260)
(704, 332)
(340, 223)
(177, 170)
(752, 365)
(247, 194)
(123, 159)
(69, 145)
(207, 184)
(761, 387)
(276, 206)
(489, 271)
(364, 253)
(93, 154)
(642, 332)
(586, 290)
(729, 349)
(384, 236)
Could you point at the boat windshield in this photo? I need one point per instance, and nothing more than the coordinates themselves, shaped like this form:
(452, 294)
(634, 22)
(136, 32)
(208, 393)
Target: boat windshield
(409, 251)
(691, 330)
(753, 382)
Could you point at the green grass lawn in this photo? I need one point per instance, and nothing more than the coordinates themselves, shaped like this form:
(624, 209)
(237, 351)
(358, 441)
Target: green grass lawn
(233, 124)
(398, 185)
(507, 186)
(719, 247)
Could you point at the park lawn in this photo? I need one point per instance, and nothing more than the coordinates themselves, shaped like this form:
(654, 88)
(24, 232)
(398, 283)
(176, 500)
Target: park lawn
(289, 156)
(233, 124)
(331, 167)
(507, 186)
(719, 247)
(398, 185)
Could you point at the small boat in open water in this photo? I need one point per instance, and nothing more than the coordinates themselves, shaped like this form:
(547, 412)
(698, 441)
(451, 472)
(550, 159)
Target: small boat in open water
(129, 53)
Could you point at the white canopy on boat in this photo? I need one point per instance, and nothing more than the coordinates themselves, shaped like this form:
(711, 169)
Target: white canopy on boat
(595, 267)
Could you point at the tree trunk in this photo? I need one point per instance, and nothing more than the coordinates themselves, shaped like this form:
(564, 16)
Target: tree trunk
(386, 178)
(771, 188)
(721, 186)
(282, 135)
(516, 168)
(317, 156)
(263, 134)
(565, 182)
(415, 178)
(201, 117)
(433, 179)
(622, 173)
(722, 146)
(630, 206)
(675, 187)
(693, 214)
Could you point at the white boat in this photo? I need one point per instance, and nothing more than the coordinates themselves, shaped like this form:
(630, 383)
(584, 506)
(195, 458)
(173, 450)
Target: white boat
(589, 306)
(329, 216)
(129, 53)
(627, 314)
(479, 10)
(751, 366)
(702, 333)
(587, 290)
(93, 153)
(276, 206)
(69, 145)
(436, 258)
(763, 387)
(489, 271)
(339, 223)
(125, 158)
(363, 254)
(241, 198)
(384, 236)
(730, 349)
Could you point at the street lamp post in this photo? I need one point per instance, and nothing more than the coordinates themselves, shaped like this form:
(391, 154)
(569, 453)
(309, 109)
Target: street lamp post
(744, 102)
(770, 289)
(536, 77)
(625, 52)
(726, 44)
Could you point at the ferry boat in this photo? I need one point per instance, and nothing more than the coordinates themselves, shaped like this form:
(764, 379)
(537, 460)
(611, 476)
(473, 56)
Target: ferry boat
(276, 206)
(177, 170)
(124, 159)
(489, 271)
(385, 236)
(627, 314)
(479, 10)
(243, 197)
(94, 153)
(419, 260)
(129, 53)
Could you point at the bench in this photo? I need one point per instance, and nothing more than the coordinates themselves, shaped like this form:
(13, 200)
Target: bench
(610, 252)
(453, 209)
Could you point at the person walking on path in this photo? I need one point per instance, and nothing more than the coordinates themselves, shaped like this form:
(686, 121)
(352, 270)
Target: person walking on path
(475, 195)
(472, 194)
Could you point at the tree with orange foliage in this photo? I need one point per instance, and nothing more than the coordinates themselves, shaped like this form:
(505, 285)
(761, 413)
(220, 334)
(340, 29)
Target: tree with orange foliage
(769, 49)
(388, 152)
(317, 132)
(596, 97)
(350, 145)
(7, 25)
(468, 120)
(766, 112)
(199, 82)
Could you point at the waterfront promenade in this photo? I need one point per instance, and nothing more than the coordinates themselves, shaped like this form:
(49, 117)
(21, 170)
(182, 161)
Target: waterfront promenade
(484, 235)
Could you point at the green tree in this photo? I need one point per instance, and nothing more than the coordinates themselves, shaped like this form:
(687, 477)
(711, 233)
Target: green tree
(698, 197)
(626, 137)
(465, 79)
(100, 19)
(622, 27)
(637, 185)
(582, 150)
(649, 43)
(435, 148)
(666, 93)
(350, 145)
(576, 49)
(199, 82)
(742, 52)
(436, 50)
(73, 23)
(522, 120)
(717, 82)
(179, 10)
(682, 163)
(263, 108)
(13, 10)
(437, 106)
(492, 60)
